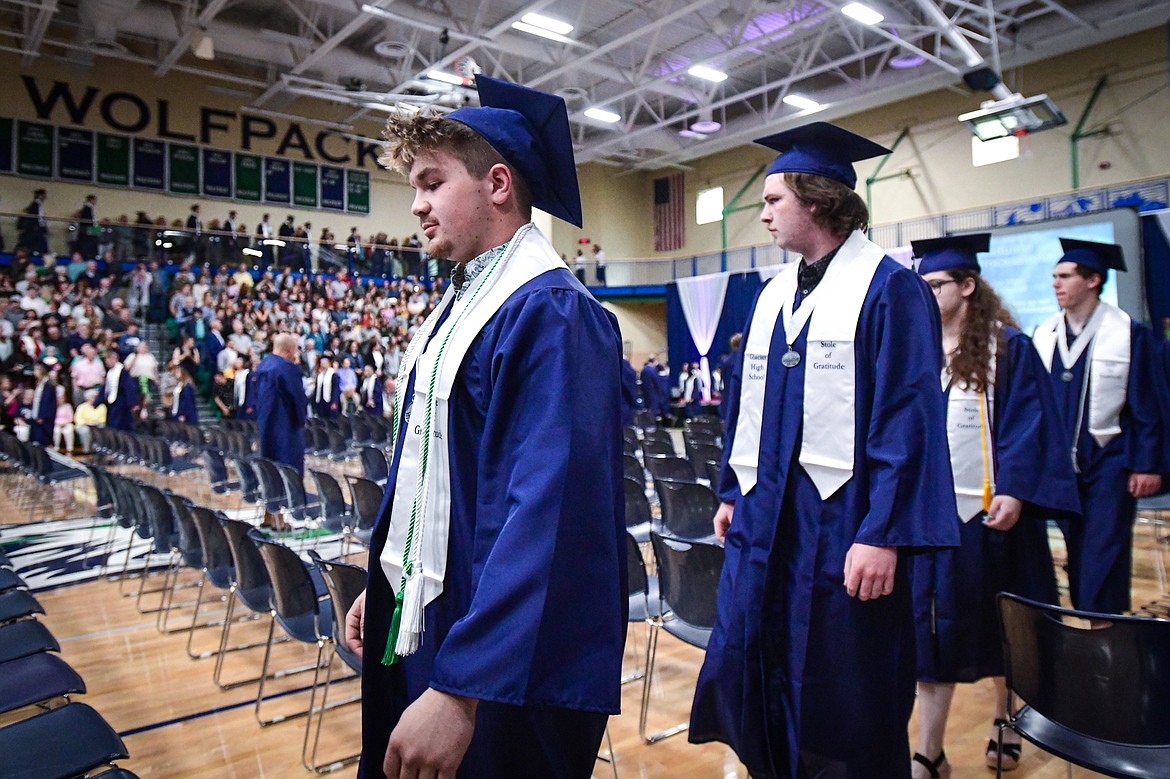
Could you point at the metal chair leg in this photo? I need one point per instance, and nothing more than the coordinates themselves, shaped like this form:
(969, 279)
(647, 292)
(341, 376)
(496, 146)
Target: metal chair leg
(647, 680)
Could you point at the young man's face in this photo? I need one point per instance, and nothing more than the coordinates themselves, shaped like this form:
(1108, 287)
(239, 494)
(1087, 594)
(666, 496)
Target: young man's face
(1071, 288)
(451, 206)
(787, 219)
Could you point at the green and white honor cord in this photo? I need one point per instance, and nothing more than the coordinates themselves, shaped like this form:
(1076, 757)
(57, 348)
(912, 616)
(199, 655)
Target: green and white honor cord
(414, 619)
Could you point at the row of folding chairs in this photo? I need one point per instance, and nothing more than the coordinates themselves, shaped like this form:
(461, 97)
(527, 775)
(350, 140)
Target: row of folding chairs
(127, 448)
(676, 593)
(333, 437)
(227, 441)
(179, 432)
(686, 509)
(39, 471)
(68, 739)
(262, 577)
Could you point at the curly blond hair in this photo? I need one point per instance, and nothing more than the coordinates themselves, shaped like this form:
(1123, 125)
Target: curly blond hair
(408, 136)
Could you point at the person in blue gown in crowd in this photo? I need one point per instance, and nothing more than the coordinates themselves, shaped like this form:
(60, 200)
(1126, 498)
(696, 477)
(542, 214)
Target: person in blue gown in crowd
(281, 404)
(44, 406)
(493, 622)
(629, 392)
(835, 472)
(1011, 474)
(651, 386)
(1111, 390)
(121, 394)
(183, 408)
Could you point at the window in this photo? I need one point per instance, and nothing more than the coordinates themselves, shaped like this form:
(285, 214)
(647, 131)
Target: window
(709, 205)
(997, 150)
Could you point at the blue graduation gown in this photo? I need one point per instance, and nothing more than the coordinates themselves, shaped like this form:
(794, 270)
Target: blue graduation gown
(281, 409)
(41, 431)
(325, 408)
(187, 409)
(532, 617)
(955, 610)
(629, 392)
(651, 388)
(120, 413)
(794, 664)
(1100, 549)
(378, 404)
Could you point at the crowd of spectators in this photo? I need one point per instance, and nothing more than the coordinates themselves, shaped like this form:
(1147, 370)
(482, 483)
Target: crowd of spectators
(215, 322)
(219, 239)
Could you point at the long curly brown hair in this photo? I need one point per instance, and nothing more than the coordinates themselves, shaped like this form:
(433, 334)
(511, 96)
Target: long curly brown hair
(971, 359)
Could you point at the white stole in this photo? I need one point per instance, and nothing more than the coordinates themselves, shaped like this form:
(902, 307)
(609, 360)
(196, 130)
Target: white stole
(1107, 337)
(37, 395)
(368, 387)
(970, 441)
(178, 395)
(241, 388)
(325, 385)
(421, 509)
(113, 379)
(830, 374)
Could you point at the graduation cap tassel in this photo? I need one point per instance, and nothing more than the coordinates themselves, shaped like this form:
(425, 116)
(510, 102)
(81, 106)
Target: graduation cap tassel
(983, 440)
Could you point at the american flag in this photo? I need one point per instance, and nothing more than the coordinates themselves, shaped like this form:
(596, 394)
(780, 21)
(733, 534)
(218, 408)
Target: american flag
(669, 219)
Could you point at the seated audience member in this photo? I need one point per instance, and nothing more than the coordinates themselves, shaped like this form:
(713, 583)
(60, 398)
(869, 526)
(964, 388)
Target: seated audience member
(86, 418)
(63, 423)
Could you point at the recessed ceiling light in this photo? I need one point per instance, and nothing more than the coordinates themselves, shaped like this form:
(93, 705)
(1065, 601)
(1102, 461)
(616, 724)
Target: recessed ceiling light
(802, 102)
(532, 29)
(445, 77)
(706, 126)
(547, 23)
(862, 13)
(601, 115)
(710, 74)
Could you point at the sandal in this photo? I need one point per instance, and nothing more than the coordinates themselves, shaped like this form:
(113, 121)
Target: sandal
(938, 767)
(1011, 752)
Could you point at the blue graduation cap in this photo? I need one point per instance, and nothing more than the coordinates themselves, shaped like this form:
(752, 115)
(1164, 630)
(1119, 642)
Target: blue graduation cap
(821, 149)
(1097, 256)
(954, 252)
(530, 130)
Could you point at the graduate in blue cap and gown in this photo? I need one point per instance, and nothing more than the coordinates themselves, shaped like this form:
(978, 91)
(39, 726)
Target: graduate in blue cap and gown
(121, 396)
(1011, 474)
(835, 471)
(183, 408)
(494, 616)
(1112, 393)
(281, 405)
(44, 407)
(651, 386)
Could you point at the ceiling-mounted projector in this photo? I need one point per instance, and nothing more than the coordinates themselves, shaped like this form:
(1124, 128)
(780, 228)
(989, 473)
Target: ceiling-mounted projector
(1015, 115)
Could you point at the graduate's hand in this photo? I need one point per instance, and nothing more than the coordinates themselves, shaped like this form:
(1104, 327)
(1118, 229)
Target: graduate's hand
(869, 571)
(431, 737)
(1004, 513)
(1143, 485)
(722, 520)
(355, 625)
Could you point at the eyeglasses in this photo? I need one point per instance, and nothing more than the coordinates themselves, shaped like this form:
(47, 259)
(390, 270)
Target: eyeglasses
(938, 284)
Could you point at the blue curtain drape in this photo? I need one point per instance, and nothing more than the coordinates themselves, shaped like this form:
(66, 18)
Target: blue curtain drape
(1157, 269)
(741, 292)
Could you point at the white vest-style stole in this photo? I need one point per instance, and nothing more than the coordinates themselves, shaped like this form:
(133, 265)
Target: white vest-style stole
(831, 312)
(1106, 381)
(969, 437)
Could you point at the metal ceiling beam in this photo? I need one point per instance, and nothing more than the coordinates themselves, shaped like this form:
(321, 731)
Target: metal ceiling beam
(622, 40)
(359, 21)
(36, 32)
(187, 34)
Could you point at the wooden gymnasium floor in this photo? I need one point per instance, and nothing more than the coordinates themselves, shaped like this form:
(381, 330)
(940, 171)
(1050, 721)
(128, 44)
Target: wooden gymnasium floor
(176, 723)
